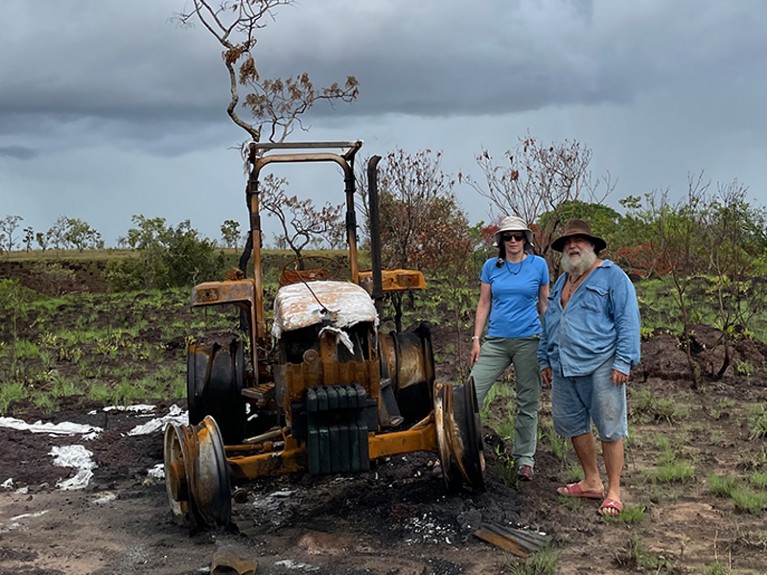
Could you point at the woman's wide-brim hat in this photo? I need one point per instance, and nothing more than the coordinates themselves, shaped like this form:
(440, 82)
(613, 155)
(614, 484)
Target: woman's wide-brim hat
(513, 224)
(578, 228)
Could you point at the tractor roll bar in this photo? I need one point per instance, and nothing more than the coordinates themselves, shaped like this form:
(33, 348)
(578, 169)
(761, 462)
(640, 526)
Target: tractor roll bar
(259, 157)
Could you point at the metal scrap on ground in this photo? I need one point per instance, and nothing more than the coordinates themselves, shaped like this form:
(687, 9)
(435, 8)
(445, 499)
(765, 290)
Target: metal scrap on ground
(520, 542)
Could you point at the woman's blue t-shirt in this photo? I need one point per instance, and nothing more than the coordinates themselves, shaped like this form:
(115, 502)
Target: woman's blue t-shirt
(514, 288)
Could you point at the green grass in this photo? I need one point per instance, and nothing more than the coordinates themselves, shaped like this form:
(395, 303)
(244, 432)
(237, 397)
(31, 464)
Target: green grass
(636, 557)
(753, 460)
(757, 421)
(10, 392)
(499, 409)
(545, 561)
(717, 568)
(748, 500)
(722, 485)
(759, 480)
(745, 498)
(65, 387)
(676, 472)
(506, 468)
(26, 349)
(646, 407)
(631, 515)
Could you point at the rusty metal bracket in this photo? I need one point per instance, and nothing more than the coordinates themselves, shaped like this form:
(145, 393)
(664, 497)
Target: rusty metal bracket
(520, 542)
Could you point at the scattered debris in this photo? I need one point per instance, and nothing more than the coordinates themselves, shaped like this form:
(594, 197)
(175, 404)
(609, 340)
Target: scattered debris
(74, 456)
(520, 542)
(65, 428)
(227, 562)
(157, 424)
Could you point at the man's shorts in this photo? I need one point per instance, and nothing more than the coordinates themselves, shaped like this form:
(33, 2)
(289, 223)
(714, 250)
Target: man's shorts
(576, 402)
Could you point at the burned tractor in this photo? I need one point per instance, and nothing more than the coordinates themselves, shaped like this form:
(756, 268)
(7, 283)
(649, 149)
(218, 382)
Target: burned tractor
(324, 390)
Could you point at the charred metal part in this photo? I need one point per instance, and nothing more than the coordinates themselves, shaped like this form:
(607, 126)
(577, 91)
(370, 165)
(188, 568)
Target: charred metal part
(272, 434)
(196, 475)
(375, 233)
(178, 472)
(227, 562)
(338, 418)
(215, 380)
(407, 359)
(240, 495)
(520, 542)
(326, 393)
(259, 393)
(459, 436)
(394, 280)
(345, 160)
(212, 491)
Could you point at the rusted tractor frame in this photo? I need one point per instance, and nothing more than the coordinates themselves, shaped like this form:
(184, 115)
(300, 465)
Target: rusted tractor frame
(330, 393)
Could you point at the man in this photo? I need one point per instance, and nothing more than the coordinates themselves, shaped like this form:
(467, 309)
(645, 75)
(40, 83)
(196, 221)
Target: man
(589, 344)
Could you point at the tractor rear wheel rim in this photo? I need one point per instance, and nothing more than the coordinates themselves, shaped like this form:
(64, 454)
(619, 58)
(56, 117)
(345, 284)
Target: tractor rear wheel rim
(210, 485)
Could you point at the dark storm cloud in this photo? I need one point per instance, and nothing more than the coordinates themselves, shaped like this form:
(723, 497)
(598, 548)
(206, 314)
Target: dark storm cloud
(18, 152)
(510, 57)
(430, 58)
(89, 60)
(100, 87)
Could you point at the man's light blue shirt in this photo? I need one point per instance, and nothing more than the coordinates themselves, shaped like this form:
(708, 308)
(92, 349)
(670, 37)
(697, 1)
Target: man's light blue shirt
(601, 321)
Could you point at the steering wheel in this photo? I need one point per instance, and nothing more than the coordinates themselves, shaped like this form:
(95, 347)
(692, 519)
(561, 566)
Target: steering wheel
(310, 268)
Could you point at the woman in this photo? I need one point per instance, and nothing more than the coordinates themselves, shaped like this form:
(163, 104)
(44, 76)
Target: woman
(514, 288)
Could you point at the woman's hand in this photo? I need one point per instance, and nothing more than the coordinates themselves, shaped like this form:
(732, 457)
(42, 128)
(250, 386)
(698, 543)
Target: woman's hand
(475, 348)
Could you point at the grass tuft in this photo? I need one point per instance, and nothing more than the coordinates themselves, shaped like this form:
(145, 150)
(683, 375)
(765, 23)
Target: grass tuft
(677, 472)
(545, 561)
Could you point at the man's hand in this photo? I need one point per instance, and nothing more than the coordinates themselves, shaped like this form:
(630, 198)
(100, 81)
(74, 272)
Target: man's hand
(619, 378)
(546, 376)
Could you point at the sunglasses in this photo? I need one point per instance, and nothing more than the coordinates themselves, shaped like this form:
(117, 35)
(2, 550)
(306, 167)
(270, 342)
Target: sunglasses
(509, 237)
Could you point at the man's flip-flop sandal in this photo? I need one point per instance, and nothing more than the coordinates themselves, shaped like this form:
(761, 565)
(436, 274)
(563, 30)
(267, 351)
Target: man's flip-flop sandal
(575, 490)
(610, 508)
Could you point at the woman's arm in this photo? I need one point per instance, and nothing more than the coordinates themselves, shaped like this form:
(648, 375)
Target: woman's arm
(543, 299)
(480, 319)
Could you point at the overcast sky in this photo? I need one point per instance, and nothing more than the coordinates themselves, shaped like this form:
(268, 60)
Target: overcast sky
(110, 109)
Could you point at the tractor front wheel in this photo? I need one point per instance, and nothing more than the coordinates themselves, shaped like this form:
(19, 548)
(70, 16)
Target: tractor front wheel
(214, 381)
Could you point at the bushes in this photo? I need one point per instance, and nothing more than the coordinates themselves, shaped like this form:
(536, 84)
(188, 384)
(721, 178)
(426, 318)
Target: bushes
(166, 257)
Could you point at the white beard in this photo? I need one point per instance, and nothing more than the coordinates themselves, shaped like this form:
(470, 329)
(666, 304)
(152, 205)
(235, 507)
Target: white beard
(578, 265)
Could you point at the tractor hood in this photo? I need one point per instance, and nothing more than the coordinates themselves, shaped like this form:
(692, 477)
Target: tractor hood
(340, 304)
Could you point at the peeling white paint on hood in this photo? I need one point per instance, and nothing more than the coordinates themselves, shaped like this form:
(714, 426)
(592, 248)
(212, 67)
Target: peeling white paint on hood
(298, 305)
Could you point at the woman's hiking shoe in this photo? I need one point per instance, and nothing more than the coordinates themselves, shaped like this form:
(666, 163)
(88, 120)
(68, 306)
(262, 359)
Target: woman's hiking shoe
(525, 473)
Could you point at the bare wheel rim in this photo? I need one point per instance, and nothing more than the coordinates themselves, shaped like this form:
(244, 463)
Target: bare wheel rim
(212, 492)
(176, 459)
(459, 437)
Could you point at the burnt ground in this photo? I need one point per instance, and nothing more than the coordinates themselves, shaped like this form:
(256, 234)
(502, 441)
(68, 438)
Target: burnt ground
(398, 519)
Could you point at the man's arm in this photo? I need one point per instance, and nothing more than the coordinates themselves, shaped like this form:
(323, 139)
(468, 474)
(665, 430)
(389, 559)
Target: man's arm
(627, 323)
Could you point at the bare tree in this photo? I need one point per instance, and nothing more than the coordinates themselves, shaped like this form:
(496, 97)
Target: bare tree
(301, 222)
(540, 179)
(422, 226)
(276, 104)
(8, 226)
